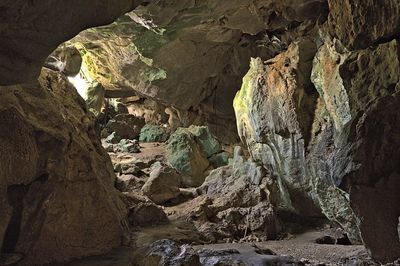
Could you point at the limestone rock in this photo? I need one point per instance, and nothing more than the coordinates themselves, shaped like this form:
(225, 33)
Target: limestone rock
(323, 148)
(67, 60)
(362, 23)
(55, 178)
(163, 184)
(208, 143)
(187, 157)
(153, 133)
(241, 255)
(361, 125)
(113, 138)
(128, 182)
(127, 145)
(219, 159)
(274, 111)
(237, 202)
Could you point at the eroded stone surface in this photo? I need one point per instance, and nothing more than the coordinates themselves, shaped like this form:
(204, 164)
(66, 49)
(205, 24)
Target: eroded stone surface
(55, 179)
(338, 146)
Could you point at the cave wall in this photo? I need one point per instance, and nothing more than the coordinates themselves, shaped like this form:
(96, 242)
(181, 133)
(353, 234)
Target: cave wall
(325, 123)
(57, 196)
(57, 199)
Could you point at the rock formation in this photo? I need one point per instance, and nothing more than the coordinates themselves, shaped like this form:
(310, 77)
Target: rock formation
(57, 200)
(338, 147)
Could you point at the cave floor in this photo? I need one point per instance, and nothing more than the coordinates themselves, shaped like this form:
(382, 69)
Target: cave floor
(301, 247)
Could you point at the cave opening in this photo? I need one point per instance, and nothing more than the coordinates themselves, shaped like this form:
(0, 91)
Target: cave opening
(201, 132)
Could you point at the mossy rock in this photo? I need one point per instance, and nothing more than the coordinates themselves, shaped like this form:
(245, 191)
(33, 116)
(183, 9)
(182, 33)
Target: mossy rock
(153, 133)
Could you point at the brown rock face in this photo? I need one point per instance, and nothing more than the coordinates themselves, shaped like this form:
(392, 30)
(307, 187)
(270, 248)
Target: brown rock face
(57, 199)
(361, 23)
(31, 30)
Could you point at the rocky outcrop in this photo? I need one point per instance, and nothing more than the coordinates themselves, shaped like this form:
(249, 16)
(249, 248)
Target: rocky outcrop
(274, 110)
(27, 37)
(55, 179)
(337, 148)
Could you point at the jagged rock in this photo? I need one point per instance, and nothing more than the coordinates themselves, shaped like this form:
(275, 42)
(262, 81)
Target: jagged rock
(126, 126)
(208, 143)
(55, 179)
(237, 202)
(95, 97)
(163, 184)
(147, 214)
(22, 59)
(186, 156)
(362, 23)
(167, 253)
(153, 133)
(361, 125)
(118, 108)
(274, 111)
(318, 146)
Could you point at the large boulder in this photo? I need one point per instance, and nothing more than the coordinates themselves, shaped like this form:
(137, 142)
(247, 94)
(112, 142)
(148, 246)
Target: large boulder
(188, 151)
(153, 133)
(27, 37)
(237, 202)
(55, 178)
(163, 184)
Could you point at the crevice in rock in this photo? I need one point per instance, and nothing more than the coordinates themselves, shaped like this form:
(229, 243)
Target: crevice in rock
(15, 196)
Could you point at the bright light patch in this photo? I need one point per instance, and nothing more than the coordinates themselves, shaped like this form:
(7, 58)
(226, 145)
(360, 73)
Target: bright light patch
(81, 85)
